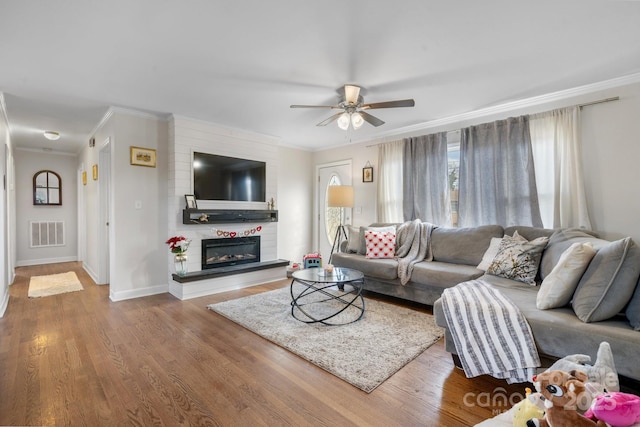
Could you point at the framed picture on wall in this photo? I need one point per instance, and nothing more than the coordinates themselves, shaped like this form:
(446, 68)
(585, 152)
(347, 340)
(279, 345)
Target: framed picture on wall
(367, 174)
(143, 156)
(191, 201)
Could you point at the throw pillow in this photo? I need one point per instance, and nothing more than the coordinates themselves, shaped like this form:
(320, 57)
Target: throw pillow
(362, 247)
(518, 259)
(380, 244)
(353, 241)
(633, 309)
(607, 285)
(490, 253)
(557, 288)
(560, 242)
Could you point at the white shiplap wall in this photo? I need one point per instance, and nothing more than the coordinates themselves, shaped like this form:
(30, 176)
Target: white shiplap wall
(189, 135)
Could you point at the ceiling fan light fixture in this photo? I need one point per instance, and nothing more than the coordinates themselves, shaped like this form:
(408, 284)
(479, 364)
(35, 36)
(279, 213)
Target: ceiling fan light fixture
(344, 120)
(356, 120)
(51, 135)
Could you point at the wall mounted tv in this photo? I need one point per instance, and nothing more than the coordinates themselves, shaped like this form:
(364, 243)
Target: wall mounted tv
(228, 178)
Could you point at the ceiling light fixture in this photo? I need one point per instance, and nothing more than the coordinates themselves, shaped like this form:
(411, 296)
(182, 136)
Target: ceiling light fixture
(356, 120)
(51, 135)
(344, 120)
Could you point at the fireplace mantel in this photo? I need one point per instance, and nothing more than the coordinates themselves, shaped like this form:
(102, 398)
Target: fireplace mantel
(213, 216)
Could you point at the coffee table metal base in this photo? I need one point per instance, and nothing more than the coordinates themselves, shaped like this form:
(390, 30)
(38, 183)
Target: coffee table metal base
(327, 300)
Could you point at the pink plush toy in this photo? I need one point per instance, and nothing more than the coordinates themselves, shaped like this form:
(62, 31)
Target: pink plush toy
(616, 409)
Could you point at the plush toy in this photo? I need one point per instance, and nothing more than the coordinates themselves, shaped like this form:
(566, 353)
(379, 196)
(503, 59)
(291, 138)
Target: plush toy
(529, 407)
(561, 392)
(616, 409)
(602, 375)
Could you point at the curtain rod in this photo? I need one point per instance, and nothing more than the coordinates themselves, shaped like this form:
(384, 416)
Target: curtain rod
(599, 101)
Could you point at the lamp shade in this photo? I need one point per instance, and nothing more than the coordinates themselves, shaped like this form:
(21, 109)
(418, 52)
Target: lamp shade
(340, 196)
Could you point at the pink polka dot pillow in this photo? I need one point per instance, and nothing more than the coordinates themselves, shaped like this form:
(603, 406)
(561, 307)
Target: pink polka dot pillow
(380, 244)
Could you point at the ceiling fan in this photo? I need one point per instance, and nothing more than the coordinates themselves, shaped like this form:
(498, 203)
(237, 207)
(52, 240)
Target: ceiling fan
(353, 109)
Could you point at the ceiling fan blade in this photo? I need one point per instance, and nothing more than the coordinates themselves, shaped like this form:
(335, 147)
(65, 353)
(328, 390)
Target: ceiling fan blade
(351, 94)
(371, 119)
(391, 104)
(314, 106)
(330, 119)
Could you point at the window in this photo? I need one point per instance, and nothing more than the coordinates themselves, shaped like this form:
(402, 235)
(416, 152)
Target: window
(453, 160)
(333, 215)
(47, 188)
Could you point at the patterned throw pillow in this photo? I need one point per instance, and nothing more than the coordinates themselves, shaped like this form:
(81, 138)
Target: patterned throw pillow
(380, 244)
(518, 259)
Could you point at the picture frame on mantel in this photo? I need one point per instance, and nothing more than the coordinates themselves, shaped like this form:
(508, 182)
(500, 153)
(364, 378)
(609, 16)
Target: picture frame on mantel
(143, 156)
(191, 201)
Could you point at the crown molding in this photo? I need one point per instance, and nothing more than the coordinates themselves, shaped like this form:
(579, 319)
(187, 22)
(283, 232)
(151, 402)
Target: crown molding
(46, 151)
(510, 106)
(128, 111)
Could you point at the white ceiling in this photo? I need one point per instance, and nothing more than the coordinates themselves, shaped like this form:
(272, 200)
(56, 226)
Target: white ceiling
(241, 64)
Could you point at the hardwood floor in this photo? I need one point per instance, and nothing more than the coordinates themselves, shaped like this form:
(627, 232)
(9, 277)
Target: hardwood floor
(80, 359)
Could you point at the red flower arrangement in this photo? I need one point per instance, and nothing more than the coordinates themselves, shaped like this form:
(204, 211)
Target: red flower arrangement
(178, 244)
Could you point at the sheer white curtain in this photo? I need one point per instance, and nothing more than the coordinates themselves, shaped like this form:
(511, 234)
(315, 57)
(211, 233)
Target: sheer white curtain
(555, 140)
(390, 183)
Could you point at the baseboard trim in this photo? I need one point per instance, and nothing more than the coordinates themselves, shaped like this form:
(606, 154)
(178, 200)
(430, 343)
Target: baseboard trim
(28, 262)
(138, 293)
(4, 303)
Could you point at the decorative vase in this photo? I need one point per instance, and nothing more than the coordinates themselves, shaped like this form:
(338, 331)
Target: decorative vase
(181, 264)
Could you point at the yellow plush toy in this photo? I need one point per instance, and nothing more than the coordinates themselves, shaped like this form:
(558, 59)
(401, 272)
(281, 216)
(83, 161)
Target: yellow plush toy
(527, 409)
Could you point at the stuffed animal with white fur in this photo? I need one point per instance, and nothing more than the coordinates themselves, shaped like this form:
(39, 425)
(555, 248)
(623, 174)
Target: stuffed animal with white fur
(602, 374)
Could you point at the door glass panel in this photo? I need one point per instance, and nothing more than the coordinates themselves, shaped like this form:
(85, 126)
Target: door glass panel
(333, 216)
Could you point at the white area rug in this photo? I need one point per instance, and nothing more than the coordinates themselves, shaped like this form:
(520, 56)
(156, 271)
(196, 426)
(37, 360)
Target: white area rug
(364, 353)
(43, 286)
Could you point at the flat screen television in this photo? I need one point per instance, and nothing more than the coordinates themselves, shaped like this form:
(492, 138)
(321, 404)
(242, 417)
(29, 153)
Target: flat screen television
(228, 178)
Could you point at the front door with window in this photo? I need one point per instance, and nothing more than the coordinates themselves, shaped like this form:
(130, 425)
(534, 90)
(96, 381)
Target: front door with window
(330, 218)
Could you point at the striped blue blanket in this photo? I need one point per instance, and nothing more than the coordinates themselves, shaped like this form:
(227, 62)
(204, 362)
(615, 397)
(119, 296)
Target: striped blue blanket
(491, 335)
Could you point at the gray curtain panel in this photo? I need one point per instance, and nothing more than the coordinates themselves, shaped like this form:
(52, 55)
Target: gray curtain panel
(497, 177)
(426, 183)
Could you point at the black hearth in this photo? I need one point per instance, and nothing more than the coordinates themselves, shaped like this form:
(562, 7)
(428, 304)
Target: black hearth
(232, 251)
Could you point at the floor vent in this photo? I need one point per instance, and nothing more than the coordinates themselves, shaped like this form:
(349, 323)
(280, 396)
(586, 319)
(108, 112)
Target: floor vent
(46, 233)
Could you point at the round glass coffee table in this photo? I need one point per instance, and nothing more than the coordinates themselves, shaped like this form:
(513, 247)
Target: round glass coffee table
(330, 298)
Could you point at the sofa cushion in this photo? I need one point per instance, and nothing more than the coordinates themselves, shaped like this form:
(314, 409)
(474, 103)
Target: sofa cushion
(463, 245)
(443, 274)
(529, 233)
(557, 288)
(518, 258)
(633, 309)
(490, 253)
(560, 242)
(380, 244)
(353, 240)
(386, 269)
(608, 284)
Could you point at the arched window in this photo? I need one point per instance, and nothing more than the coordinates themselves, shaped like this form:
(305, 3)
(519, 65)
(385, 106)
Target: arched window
(47, 188)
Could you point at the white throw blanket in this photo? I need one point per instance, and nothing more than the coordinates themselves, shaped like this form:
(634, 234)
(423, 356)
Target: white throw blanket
(490, 333)
(413, 244)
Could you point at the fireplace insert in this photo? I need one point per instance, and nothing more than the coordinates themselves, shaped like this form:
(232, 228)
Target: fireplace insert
(230, 251)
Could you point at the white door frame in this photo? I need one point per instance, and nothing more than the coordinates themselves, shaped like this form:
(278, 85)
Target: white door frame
(105, 212)
(316, 199)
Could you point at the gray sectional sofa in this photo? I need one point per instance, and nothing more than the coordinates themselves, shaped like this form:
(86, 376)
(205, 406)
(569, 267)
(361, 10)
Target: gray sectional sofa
(558, 332)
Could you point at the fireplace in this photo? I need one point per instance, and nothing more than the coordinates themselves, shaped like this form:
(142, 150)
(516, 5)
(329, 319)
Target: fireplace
(232, 251)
